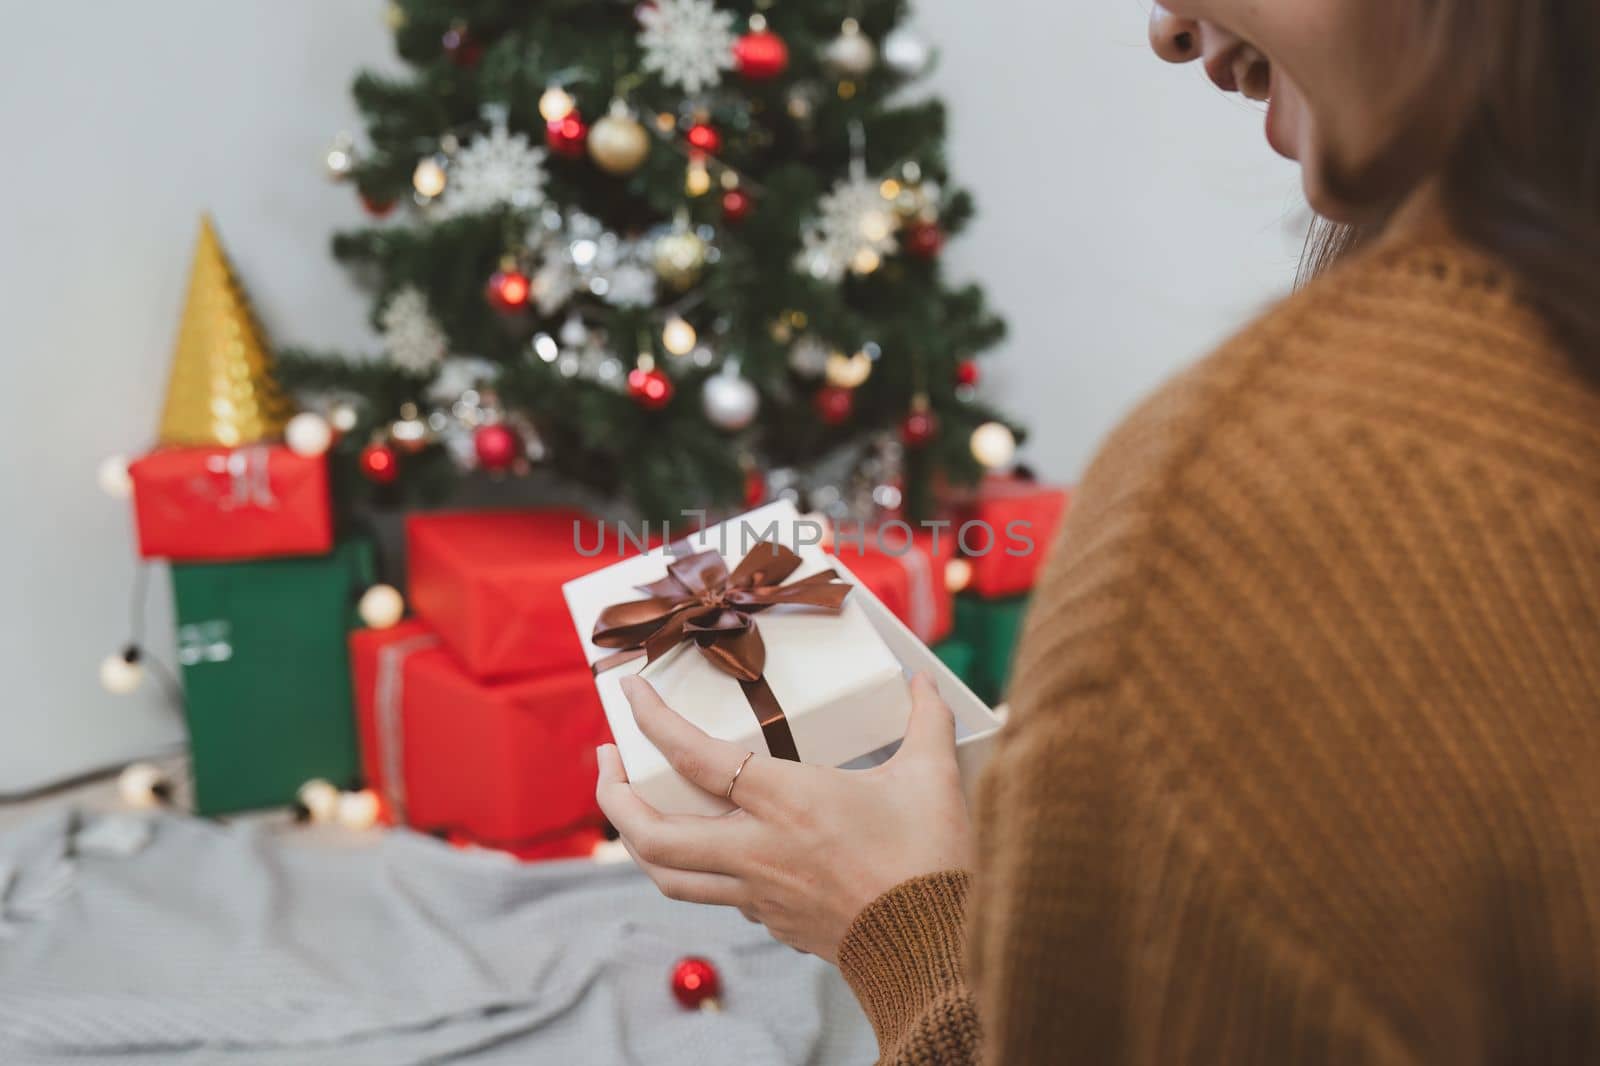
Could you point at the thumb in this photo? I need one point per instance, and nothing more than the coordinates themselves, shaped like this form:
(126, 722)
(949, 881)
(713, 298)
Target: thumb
(931, 729)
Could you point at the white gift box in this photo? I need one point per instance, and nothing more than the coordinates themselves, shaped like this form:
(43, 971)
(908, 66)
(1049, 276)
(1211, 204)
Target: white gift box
(840, 677)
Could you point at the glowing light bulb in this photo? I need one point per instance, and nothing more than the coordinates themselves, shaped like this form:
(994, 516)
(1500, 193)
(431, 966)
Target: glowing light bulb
(113, 476)
(359, 810)
(556, 104)
(320, 799)
(122, 673)
(308, 434)
(994, 445)
(143, 786)
(381, 607)
(429, 178)
(957, 574)
(697, 180)
(677, 336)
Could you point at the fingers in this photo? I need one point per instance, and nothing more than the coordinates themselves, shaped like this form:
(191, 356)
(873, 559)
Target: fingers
(691, 886)
(684, 842)
(931, 728)
(680, 841)
(707, 762)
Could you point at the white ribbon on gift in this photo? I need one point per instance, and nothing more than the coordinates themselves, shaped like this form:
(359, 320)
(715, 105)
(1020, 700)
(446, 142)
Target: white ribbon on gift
(922, 607)
(249, 478)
(389, 716)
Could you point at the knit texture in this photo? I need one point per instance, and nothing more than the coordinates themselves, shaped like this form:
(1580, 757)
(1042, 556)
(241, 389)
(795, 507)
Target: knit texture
(1304, 762)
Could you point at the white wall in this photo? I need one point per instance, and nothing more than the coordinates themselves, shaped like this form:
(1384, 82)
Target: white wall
(1128, 219)
(1129, 216)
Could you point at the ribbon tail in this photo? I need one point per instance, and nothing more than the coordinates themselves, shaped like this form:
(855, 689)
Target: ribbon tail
(774, 725)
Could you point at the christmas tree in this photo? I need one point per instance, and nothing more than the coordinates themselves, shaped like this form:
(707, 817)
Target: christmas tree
(684, 254)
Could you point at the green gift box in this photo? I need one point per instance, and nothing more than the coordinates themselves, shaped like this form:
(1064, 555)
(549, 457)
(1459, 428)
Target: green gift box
(959, 656)
(991, 629)
(266, 674)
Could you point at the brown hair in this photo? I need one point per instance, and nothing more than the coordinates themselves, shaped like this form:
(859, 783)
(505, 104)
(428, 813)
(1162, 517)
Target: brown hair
(1505, 115)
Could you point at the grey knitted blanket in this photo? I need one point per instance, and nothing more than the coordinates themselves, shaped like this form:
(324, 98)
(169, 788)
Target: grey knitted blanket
(164, 939)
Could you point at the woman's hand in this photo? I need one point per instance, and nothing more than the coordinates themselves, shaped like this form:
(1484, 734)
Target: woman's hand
(809, 846)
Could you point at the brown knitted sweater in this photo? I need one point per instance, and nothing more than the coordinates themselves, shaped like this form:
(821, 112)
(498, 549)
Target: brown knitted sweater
(1305, 758)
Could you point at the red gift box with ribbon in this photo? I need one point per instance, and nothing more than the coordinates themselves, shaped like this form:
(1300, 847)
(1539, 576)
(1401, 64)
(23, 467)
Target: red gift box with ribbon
(257, 501)
(489, 583)
(1006, 533)
(509, 765)
(906, 570)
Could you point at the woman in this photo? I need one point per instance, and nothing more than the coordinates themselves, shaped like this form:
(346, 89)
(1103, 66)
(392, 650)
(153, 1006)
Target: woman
(1303, 761)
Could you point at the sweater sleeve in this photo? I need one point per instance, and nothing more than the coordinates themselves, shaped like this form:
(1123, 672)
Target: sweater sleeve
(904, 958)
(1108, 920)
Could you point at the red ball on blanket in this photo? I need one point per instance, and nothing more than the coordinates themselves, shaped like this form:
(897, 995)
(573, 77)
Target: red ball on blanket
(696, 983)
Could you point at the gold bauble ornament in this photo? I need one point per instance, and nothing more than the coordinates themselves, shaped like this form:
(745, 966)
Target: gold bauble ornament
(680, 258)
(618, 143)
(221, 389)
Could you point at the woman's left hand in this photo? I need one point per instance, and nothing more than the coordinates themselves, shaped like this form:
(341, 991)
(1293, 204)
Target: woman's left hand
(808, 846)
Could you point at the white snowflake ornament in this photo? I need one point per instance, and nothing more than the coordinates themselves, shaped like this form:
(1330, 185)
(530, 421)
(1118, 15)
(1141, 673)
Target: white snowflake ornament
(414, 340)
(688, 42)
(553, 285)
(500, 168)
(854, 227)
(631, 284)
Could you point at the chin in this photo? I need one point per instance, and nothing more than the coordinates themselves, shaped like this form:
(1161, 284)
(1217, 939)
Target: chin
(1328, 205)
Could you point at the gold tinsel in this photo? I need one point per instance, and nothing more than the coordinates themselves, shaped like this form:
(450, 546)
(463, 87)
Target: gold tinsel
(221, 390)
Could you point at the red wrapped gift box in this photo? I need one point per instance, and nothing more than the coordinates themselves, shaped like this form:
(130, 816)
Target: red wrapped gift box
(1022, 518)
(489, 583)
(906, 571)
(253, 502)
(506, 764)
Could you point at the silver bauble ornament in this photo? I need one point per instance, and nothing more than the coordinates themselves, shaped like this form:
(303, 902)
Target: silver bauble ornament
(730, 401)
(852, 53)
(906, 53)
(618, 143)
(680, 257)
(809, 357)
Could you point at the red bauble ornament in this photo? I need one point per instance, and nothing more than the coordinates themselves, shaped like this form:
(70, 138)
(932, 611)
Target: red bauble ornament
(919, 427)
(380, 464)
(834, 404)
(497, 446)
(704, 137)
(461, 46)
(923, 239)
(567, 136)
(736, 204)
(967, 372)
(761, 55)
(375, 207)
(651, 388)
(755, 488)
(696, 983)
(508, 290)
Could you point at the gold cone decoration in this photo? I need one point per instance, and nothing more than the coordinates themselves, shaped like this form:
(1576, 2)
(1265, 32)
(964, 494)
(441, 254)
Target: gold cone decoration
(221, 390)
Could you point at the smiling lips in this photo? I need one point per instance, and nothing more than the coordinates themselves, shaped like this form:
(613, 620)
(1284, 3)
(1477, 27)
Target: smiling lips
(1242, 69)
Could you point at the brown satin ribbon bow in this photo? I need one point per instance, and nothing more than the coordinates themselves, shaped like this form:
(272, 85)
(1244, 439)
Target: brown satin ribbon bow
(700, 602)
